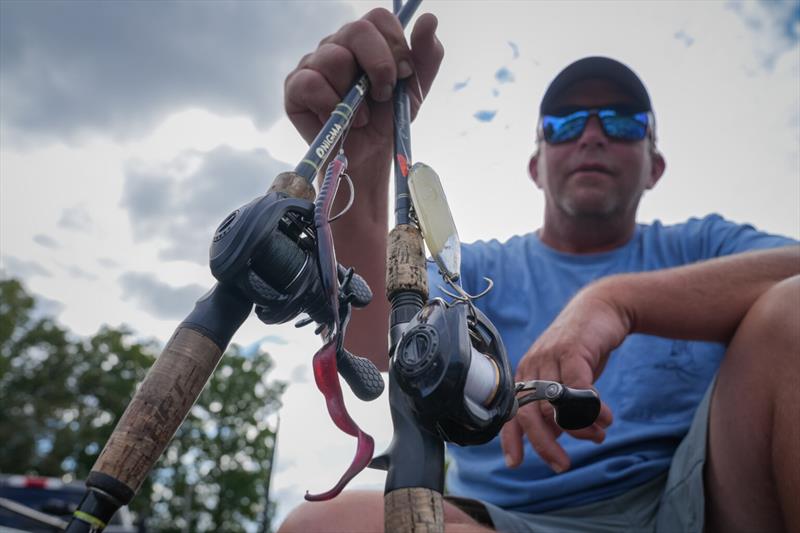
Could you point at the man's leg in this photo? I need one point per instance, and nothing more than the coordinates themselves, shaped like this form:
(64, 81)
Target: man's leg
(752, 476)
(362, 512)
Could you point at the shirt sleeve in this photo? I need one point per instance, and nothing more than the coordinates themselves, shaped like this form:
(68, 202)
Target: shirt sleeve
(713, 236)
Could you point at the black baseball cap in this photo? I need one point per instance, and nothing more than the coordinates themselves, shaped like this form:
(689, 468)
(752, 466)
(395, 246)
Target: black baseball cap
(601, 68)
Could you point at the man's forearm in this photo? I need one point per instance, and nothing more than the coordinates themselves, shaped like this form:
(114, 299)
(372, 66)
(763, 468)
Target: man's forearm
(702, 301)
(360, 238)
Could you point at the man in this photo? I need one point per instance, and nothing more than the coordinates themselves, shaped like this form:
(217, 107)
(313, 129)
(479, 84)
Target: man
(704, 433)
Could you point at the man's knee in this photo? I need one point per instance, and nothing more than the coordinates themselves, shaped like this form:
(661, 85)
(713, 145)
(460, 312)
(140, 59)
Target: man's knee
(773, 321)
(752, 428)
(351, 511)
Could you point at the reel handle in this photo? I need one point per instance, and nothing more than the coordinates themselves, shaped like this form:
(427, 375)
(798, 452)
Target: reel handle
(358, 292)
(361, 375)
(576, 408)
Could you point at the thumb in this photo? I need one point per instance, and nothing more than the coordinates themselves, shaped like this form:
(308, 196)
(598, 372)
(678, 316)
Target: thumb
(511, 442)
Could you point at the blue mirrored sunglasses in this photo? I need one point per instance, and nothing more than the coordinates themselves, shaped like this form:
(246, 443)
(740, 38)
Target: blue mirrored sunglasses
(616, 124)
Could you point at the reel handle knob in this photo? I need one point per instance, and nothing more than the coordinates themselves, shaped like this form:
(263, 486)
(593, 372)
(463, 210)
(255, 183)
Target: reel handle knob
(361, 374)
(575, 408)
(357, 288)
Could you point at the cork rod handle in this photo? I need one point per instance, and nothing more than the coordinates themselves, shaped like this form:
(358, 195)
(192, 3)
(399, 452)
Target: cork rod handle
(413, 510)
(159, 406)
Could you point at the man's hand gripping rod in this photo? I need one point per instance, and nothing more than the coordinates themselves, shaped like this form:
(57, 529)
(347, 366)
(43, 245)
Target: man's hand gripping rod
(262, 254)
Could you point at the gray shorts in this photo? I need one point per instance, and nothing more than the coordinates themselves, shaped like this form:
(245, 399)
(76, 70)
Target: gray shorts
(671, 503)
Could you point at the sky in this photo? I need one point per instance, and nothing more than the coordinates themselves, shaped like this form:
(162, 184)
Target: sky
(128, 130)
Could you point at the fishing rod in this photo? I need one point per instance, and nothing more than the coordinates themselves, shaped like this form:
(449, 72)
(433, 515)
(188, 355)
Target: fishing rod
(414, 460)
(265, 254)
(450, 379)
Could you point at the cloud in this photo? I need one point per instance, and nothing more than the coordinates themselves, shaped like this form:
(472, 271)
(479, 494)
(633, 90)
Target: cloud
(79, 273)
(107, 263)
(75, 218)
(776, 25)
(20, 268)
(181, 202)
(485, 115)
(47, 307)
(253, 348)
(117, 68)
(46, 241)
(158, 298)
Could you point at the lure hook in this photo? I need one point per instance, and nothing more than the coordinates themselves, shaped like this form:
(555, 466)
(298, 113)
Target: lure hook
(462, 294)
(349, 202)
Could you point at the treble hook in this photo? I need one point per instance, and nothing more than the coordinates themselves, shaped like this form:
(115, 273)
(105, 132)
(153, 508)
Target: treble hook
(462, 294)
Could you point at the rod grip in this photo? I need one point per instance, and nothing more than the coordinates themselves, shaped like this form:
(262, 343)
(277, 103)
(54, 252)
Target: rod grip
(416, 510)
(406, 269)
(161, 403)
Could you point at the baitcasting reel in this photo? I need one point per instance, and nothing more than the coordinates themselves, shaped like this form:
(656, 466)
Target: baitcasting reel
(452, 363)
(267, 248)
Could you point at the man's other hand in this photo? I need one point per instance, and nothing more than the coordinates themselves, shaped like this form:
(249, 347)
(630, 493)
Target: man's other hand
(572, 351)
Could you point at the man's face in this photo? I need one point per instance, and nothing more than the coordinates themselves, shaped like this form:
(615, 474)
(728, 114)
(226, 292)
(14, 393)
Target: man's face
(594, 176)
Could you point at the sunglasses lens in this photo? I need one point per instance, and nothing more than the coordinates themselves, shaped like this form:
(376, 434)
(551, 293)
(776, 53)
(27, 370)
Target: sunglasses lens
(616, 125)
(563, 129)
(623, 126)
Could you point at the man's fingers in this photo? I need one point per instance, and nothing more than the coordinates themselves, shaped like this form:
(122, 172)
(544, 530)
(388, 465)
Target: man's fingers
(606, 417)
(511, 442)
(388, 24)
(594, 433)
(379, 47)
(335, 63)
(542, 438)
(549, 417)
(427, 54)
(576, 373)
(427, 51)
(308, 99)
(375, 45)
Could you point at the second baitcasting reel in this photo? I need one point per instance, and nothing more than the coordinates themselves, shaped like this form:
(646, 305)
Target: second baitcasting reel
(452, 364)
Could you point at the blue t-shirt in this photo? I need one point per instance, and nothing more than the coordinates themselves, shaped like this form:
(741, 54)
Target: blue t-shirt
(652, 384)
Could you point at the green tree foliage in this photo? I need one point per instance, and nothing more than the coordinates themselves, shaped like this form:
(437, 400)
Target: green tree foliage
(62, 395)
